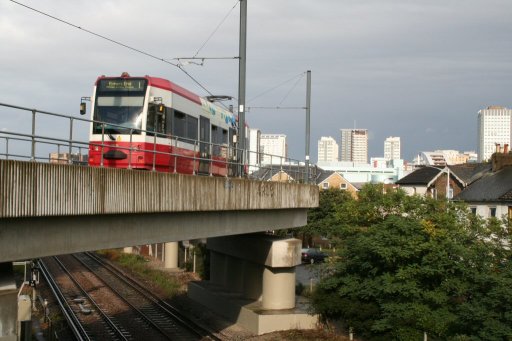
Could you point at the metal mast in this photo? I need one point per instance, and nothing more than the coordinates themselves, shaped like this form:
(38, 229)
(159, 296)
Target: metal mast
(308, 112)
(241, 79)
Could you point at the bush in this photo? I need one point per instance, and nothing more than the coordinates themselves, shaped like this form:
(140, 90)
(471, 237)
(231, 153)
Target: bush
(409, 265)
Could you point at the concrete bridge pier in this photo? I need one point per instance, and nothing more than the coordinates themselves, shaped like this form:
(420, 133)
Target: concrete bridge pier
(171, 255)
(253, 285)
(235, 274)
(252, 282)
(8, 303)
(278, 288)
(218, 263)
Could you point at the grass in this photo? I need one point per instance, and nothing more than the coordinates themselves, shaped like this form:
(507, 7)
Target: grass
(139, 265)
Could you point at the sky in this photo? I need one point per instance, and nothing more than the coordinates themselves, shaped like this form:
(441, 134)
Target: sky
(416, 69)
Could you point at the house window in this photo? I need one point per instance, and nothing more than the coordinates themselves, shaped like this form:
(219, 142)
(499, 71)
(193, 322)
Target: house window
(325, 185)
(492, 211)
(343, 186)
(473, 210)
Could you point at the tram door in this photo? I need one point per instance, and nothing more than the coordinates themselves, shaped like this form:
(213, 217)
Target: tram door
(204, 145)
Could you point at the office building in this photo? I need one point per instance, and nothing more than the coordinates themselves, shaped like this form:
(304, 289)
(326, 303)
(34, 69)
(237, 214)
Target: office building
(327, 149)
(493, 128)
(392, 148)
(274, 148)
(254, 152)
(444, 158)
(65, 158)
(354, 145)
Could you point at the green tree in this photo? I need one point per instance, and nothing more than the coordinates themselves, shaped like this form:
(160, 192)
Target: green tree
(409, 265)
(323, 220)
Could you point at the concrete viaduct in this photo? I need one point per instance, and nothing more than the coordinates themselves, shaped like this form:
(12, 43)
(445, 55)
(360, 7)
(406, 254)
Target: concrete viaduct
(51, 209)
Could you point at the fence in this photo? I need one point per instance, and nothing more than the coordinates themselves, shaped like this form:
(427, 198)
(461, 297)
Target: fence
(60, 138)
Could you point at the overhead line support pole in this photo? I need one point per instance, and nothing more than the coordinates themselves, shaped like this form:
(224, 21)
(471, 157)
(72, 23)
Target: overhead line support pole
(241, 80)
(308, 113)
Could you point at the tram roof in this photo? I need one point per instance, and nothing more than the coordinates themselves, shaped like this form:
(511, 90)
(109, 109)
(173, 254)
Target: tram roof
(173, 87)
(162, 84)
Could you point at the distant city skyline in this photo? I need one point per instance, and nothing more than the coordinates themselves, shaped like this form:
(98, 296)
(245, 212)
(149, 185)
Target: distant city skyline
(416, 69)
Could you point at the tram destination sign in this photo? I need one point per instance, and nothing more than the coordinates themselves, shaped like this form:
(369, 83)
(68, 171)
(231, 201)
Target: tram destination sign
(122, 84)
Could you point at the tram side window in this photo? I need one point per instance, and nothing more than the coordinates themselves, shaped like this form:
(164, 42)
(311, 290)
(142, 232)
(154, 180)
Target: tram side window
(224, 137)
(216, 135)
(191, 127)
(156, 122)
(224, 148)
(215, 140)
(219, 140)
(179, 124)
(168, 121)
(184, 126)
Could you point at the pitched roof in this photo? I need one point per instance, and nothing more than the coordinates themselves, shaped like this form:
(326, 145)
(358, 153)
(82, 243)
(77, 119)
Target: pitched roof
(492, 186)
(324, 175)
(507, 196)
(470, 172)
(359, 185)
(421, 176)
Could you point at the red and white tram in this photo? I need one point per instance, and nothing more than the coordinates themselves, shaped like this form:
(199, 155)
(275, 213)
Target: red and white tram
(151, 123)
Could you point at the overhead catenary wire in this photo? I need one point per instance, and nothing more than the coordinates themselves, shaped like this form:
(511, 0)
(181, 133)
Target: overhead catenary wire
(202, 59)
(291, 89)
(277, 86)
(177, 65)
(94, 33)
(147, 54)
(279, 107)
(216, 29)
(276, 108)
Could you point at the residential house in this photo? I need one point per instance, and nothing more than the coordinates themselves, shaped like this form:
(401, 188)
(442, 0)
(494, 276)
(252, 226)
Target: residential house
(332, 179)
(433, 182)
(491, 194)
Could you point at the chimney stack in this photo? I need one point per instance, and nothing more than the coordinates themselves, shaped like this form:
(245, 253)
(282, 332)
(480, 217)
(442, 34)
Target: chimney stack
(501, 159)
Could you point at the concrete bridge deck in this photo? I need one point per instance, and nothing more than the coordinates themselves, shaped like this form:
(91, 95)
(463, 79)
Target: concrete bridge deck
(48, 209)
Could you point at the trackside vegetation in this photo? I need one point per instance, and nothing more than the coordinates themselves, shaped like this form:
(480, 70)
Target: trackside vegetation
(139, 265)
(409, 265)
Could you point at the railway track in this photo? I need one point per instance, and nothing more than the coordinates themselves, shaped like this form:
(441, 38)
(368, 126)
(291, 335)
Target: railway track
(102, 303)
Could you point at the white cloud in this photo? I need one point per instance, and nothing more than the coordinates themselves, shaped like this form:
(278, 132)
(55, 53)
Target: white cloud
(385, 63)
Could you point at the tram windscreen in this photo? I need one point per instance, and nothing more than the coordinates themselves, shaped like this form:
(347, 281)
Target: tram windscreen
(119, 105)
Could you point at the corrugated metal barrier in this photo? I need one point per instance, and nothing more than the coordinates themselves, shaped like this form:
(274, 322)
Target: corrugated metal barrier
(31, 189)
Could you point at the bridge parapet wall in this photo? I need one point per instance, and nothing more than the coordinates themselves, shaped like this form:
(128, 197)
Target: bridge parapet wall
(30, 189)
